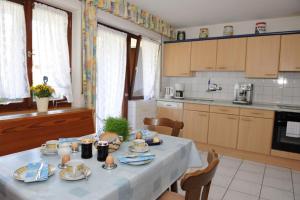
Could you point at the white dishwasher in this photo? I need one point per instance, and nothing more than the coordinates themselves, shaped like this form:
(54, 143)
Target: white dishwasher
(171, 110)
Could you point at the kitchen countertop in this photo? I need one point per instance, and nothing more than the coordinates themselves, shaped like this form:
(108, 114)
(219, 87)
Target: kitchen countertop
(264, 106)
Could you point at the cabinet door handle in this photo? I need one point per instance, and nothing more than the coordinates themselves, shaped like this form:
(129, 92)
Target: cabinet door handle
(246, 120)
(270, 74)
(203, 115)
(223, 110)
(256, 113)
(233, 118)
(222, 67)
(297, 67)
(208, 67)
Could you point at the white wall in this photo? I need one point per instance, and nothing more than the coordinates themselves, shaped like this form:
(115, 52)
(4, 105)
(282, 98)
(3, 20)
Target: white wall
(247, 27)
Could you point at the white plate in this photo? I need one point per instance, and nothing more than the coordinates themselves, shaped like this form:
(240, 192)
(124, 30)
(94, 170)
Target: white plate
(145, 149)
(19, 174)
(66, 175)
(139, 162)
(45, 151)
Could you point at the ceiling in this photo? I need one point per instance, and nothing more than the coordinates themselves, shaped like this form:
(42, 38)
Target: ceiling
(204, 12)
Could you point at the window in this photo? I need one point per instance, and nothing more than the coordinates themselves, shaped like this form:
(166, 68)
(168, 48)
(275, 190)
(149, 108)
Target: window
(111, 69)
(35, 39)
(147, 69)
(13, 63)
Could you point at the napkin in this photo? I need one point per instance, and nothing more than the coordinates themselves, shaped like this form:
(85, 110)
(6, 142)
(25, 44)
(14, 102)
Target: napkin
(136, 158)
(37, 171)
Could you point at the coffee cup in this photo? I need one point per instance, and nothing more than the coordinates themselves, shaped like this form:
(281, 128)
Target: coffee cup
(75, 167)
(139, 144)
(50, 145)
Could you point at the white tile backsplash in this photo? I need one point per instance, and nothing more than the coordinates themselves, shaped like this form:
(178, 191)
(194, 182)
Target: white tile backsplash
(285, 89)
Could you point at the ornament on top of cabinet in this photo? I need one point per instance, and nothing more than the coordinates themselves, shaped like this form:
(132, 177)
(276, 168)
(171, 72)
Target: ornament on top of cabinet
(260, 27)
(228, 30)
(203, 33)
(181, 35)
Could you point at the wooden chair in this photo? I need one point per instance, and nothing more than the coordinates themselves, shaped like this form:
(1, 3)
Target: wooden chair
(196, 184)
(176, 126)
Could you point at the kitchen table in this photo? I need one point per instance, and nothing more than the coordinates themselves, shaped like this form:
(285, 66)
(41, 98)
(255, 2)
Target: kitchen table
(126, 182)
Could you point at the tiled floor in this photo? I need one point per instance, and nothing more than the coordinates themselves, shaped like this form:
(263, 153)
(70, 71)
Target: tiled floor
(237, 179)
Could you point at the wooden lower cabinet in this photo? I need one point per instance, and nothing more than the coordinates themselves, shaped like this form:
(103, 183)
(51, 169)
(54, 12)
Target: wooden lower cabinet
(255, 134)
(223, 130)
(195, 125)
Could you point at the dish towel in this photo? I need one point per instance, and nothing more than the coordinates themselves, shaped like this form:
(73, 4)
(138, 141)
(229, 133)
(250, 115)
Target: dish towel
(36, 172)
(136, 158)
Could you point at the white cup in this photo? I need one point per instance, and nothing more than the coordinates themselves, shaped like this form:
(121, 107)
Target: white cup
(51, 145)
(75, 167)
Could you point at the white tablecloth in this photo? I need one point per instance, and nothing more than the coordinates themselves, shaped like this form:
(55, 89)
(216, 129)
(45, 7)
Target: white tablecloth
(125, 182)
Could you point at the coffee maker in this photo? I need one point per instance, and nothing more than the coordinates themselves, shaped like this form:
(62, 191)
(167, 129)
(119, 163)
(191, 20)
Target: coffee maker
(243, 93)
(179, 91)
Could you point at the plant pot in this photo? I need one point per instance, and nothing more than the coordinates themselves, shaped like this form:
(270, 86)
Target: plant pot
(42, 104)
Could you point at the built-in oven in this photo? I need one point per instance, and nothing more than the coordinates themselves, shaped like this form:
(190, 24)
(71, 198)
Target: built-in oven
(286, 133)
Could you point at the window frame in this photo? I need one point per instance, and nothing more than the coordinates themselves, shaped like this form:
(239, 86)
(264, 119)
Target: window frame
(28, 103)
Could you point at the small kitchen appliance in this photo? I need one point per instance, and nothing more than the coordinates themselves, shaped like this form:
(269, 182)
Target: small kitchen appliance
(169, 92)
(179, 91)
(243, 93)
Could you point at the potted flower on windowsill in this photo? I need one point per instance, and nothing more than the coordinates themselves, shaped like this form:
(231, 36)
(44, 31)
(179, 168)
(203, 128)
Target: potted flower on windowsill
(42, 92)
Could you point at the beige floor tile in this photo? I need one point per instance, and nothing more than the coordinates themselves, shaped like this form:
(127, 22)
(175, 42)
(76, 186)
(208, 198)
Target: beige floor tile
(278, 173)
(221, 180)
(234, 195)
(297, 188)
(249, 176)
(296, 176)
(281, 184)
(253, 167)
(270, 193)
(226, 171)
(245, 187)
(216, 192)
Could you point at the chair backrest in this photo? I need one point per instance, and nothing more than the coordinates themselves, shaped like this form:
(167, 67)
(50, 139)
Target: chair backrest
(199, 180)
(176, 126)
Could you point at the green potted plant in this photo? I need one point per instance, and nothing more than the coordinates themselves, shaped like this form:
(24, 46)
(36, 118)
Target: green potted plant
(117, 125)
(42, 92)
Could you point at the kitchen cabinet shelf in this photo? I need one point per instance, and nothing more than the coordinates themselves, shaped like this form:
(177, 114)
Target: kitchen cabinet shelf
(235, 36)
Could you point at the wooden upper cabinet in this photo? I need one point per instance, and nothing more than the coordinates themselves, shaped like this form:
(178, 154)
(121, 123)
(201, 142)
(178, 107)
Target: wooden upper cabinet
(177, 60)
(290, 53)
(204, 55)
(231, 54)
(262, 59)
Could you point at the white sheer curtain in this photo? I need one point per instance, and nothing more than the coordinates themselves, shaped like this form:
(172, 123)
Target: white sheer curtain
(50, 49)
(111, 70)
(150, 61)
(13, 67)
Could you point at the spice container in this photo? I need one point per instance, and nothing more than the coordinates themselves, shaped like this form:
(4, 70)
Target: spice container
(228, 30)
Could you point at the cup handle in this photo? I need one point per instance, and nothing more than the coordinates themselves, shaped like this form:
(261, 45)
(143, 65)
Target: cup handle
(43, 145)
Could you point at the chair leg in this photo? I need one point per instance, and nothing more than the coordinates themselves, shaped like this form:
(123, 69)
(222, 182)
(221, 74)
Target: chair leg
(174, 187)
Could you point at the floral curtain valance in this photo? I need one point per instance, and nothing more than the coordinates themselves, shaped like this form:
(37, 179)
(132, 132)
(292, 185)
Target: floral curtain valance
(129, 11)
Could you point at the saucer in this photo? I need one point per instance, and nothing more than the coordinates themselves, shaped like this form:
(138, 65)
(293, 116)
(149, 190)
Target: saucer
(142, 150)
(66, 175)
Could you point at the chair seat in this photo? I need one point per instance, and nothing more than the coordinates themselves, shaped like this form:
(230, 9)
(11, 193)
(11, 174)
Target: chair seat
(171, 196)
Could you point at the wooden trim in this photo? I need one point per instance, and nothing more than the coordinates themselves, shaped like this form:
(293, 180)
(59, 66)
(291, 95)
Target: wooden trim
(266, 159)
(285, 154)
